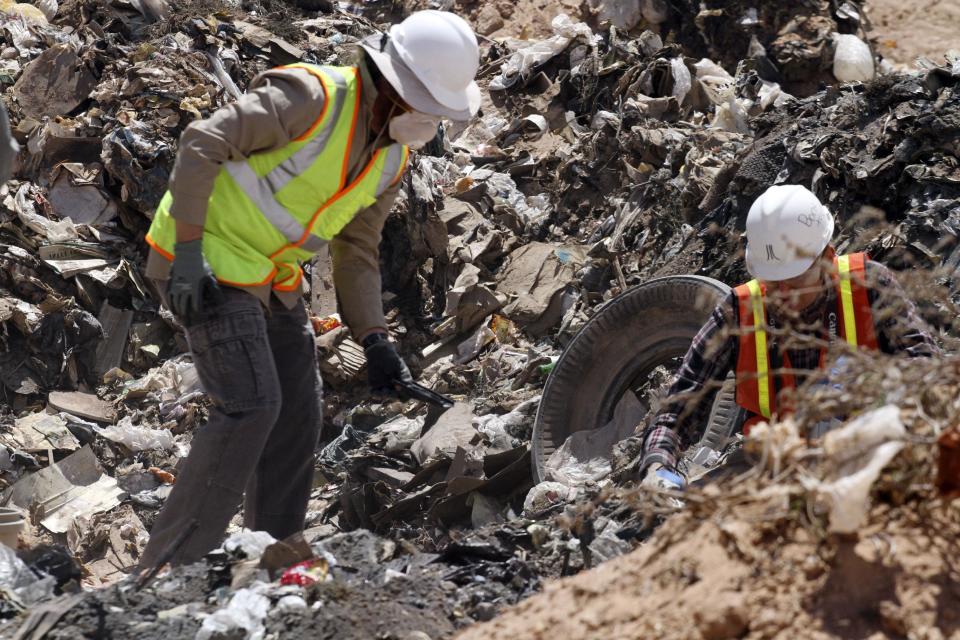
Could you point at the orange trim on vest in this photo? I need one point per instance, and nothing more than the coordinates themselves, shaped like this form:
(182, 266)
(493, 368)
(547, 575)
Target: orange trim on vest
(353, 130)
(267, 280)
(158, 248)
(292, 286)
(169, 256)
(403, 166)
(326, 101)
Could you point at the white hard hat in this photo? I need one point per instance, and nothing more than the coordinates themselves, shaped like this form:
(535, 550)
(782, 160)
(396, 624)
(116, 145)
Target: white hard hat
(787, 230)
(431, 59)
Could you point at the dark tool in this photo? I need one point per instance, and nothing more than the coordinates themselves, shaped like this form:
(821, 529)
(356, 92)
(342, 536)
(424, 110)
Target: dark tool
(415, 391)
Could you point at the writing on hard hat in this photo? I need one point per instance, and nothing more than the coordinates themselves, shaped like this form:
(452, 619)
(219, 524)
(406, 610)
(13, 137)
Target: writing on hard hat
(787, 230)
(431, 60)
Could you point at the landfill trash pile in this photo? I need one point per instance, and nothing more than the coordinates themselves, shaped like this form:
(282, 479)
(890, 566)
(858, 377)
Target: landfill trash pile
(615, 146)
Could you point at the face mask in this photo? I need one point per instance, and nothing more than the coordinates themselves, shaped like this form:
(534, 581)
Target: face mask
(414, 129)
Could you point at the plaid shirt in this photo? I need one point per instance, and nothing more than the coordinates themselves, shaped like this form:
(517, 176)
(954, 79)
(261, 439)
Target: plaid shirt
(714, 352)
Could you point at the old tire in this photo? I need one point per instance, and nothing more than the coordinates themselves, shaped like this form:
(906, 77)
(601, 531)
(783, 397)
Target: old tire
(646, 327)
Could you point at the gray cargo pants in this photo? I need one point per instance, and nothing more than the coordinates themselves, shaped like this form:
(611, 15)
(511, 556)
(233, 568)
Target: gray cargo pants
(260, 371)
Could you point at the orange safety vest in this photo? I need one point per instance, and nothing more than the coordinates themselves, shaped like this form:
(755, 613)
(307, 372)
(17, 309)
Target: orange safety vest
(757, 383)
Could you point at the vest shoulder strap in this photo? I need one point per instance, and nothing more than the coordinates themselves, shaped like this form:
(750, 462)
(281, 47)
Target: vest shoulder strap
(853, 301)
(755, 390)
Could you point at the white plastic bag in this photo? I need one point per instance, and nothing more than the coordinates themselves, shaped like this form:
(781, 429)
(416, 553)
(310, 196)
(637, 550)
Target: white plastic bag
(523, 60)
(860, 450)
(587, 456)
(682, 80)
(399, 433)
(499, 430)
(252, 544)
(622, 14)
(852, 61)
(545, 495)
(137, 438)
(16, 577)
(246, 611)
(48, 7)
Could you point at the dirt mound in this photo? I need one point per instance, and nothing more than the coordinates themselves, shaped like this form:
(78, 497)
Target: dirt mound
(755, 562)
(904, 31)
(730, 578)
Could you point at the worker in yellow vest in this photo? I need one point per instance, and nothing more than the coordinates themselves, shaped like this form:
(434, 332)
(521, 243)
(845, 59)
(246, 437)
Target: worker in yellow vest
(310, 157)
(774, 331)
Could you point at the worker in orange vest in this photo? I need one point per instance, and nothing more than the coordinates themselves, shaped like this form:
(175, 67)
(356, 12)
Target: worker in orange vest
(776, 329)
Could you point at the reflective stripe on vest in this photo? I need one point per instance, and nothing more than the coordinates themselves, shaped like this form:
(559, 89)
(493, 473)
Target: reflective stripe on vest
(262, 191)
(324, 224)
(858, 327)
(756, 391)
(760, 343)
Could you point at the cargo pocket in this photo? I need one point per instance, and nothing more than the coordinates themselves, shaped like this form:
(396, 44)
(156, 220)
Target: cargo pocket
(233, 360)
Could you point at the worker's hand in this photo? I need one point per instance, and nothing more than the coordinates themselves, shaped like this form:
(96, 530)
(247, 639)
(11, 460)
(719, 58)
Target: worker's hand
(385, 367)
(192, 285)
(660, 477)
(650, 476)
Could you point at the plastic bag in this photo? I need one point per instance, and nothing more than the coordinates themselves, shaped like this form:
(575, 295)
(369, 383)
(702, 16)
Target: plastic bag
(16, 577)
(137, 438)
(587, 456)
(48, 7)
(399, 433)
(682, 80)
(307, 573)
(622, 14)
(246, 611)
(523, 60)
(859, 451)
(852, 60)
(14, 572)
(252, 544)
(501, 430)
(545, 495)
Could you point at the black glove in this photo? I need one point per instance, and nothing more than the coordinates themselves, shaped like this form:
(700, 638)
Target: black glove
(192, 283)
(384, 365)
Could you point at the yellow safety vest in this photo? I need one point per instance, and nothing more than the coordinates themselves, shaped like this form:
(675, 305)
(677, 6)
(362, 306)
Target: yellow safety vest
(274, 210)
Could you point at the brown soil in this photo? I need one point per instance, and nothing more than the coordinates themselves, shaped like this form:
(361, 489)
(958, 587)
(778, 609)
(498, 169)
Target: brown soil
(732, 578)
(521, 19)
(907, 30)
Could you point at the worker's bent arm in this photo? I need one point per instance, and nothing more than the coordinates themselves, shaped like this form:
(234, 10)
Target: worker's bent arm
(356, 267)
(686, 409)
(281, 105)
